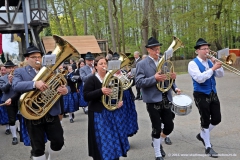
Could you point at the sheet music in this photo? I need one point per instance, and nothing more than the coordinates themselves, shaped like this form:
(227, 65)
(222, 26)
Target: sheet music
(223, 53)
(49, 60)
(168, 53)
(114, 65)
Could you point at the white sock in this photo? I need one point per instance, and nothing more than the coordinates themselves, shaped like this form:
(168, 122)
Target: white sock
(156, 146)
(18, 125)
(53, 155)
(162, 139)
(168, 136)
(211, 127)
(70, 115)
(13, 130)
(206, 137)
(7, 126)
(43, 157)
(162, 125)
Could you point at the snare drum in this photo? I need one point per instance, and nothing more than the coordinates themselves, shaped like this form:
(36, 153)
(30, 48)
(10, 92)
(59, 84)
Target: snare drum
(181, 105)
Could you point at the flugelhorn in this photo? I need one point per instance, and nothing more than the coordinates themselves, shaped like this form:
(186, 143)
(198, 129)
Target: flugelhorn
(166, 66)
(230, 59)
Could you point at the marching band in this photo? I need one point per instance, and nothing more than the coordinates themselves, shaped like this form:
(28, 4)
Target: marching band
(109, 130)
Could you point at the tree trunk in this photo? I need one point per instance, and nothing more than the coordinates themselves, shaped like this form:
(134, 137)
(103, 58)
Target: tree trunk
(117, 26)
(56, 18)
(70, 12)
(66, 18)
(144, 26)
(111, 24)
(122, 25)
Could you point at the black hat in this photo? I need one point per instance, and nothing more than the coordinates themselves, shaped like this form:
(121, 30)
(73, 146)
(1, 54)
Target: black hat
(32, 49)
(153, 42)
(49, 52)
(9, 63)
(115, 56)
(200, 42)
(89, 56)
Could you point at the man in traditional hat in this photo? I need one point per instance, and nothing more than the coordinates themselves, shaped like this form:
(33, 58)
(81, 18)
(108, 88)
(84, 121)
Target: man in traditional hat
(8, 92)
(48, 124)
(87, 71)
(203, 72)
(157, 102)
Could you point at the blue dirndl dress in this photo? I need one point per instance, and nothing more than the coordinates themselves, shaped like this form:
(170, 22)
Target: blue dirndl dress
(3, 115)
(130, 113)
(82, 102)
(70, 102)
(111, 139)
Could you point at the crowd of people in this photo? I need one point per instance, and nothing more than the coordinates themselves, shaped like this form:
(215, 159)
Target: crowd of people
(108, 130)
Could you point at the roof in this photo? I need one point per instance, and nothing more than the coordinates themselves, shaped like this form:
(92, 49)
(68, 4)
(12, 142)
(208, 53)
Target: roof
(83, 44)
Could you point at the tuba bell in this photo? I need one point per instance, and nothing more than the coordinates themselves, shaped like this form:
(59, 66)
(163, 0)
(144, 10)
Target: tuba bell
(35, 104)
(166, 66)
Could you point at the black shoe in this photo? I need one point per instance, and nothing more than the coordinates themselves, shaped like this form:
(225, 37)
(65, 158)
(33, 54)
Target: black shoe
(168, 141)
(71, 121)
(73, 116)
(7, 132)
(200, 139)
(159, 158)
(161, 150)
(140, 98)
(15, 141)
(211, 152)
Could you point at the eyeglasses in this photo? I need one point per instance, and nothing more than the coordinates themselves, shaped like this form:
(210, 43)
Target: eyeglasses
(205, 49)
(155, 49)
(36, 57)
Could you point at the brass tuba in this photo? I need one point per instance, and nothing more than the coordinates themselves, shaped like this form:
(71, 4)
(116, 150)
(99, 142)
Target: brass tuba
(166, 66)
(35, 104)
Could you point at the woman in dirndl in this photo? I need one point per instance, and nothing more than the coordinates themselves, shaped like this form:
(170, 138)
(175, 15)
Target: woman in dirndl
(4, 117)
(82, 102)
(71, 99)
(128, 110)
(106, 139)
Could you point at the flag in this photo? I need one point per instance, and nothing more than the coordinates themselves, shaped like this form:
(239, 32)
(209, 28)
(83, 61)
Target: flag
(0, 43)
(3, 58)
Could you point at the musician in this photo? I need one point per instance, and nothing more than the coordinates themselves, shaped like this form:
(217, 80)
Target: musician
(158, 106)
(71, 99)
(128, 110)
(136, 60)
(203, 72)
(3, 110)
(105, 138)
(82, 102)
(50, 123)
(87, 71)
(6, 88)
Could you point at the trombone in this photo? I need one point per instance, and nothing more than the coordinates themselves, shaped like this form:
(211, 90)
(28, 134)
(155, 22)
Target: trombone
(230, 59)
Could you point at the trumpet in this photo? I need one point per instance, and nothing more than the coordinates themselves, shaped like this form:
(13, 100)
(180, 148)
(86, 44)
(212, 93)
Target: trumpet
(230, 59)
